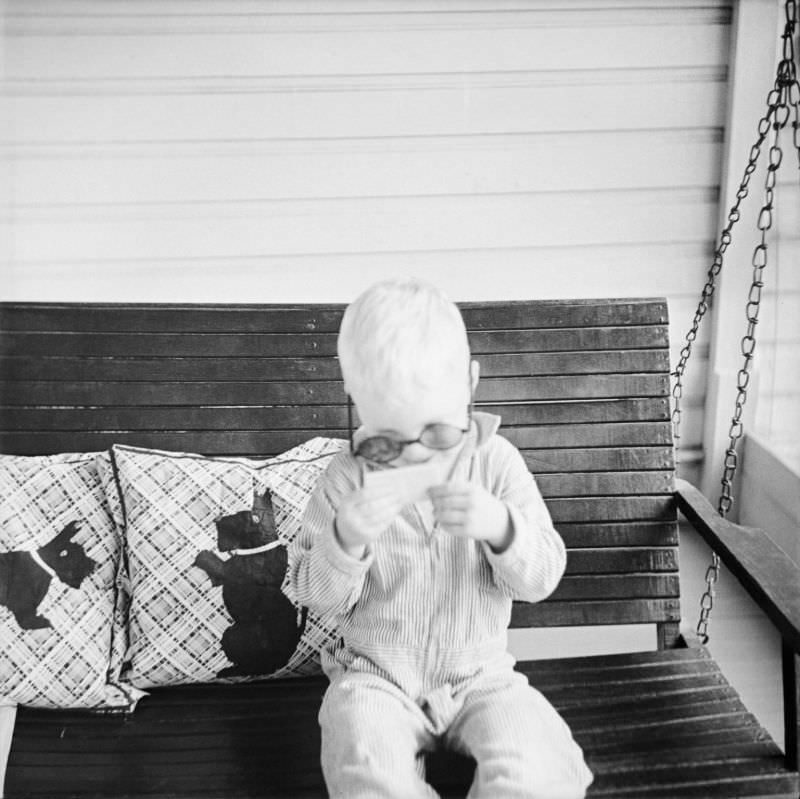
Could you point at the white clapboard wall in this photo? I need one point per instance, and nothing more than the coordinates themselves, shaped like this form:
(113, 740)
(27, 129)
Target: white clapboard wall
(247, 151)
(778, 408)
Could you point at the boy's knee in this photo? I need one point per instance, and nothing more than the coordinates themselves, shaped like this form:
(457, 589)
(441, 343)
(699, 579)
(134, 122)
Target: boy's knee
(522, 773)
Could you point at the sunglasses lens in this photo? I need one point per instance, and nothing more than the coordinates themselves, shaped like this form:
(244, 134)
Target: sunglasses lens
(441, 436)
(379, 449)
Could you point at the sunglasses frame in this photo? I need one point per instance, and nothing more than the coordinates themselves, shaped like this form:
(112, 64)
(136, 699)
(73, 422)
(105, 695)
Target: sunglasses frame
(401, 445)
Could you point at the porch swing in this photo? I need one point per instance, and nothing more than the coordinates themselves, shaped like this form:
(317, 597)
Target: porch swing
(584, 390)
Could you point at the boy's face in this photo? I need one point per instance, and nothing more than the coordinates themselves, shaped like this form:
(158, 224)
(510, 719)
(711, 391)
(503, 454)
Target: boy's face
(382, 415)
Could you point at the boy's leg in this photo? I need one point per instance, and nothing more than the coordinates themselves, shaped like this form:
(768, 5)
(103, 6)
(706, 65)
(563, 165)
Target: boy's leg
(522, 747)
(372, 741)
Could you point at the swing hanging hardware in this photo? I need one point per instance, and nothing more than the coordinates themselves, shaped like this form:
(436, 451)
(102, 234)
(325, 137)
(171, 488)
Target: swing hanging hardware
(783, 101)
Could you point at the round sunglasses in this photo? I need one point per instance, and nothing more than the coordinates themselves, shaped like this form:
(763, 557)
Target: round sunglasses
(383, 449)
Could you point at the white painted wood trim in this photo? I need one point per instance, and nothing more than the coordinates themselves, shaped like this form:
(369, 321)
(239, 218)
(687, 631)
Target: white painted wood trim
(8, 714)
(771, 498)
(754, 41)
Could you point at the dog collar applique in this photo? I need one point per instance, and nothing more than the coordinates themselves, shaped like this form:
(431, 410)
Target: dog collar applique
(37, 558)
(257, 550)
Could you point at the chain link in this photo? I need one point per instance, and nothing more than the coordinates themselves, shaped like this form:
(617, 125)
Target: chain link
(789, 77)
(725, 239)
(784, 95)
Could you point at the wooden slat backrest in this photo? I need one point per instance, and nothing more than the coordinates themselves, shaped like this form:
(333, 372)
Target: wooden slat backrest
(582, 387)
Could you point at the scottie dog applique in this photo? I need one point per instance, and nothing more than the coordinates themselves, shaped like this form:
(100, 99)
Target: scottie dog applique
(25, 575)
(266, 627)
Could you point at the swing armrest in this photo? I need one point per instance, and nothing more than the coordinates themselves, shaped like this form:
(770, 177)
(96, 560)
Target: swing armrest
(765, 570)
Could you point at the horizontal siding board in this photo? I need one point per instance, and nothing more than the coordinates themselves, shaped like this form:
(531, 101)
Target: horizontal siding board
(344, 49)
(232, 369)
(510, 103)
(47, 16)
(375, 225)
(260, 345)
(111, 174)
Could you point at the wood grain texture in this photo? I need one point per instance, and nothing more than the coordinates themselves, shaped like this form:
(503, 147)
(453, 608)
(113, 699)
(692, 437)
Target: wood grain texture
(654, 724)
(580, 384)
(765, 571)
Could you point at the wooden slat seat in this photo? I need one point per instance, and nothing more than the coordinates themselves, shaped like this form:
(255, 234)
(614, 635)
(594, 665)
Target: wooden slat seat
(583, 389)
(662, 723)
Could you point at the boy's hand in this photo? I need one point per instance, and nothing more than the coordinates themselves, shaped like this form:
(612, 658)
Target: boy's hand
(469, 510)
(363, 516)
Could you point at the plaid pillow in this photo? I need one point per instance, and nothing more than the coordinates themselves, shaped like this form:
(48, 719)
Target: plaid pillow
(59, 552)
(206, 544)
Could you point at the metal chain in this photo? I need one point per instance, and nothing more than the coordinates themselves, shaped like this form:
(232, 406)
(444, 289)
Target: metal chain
(708, 289)
(789, 76)
(785, 94)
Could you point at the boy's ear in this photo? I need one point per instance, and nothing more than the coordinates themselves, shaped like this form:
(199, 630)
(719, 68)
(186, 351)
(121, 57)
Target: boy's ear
(474, 374)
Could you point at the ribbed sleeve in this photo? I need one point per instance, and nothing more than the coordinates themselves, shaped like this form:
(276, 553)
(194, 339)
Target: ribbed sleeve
(533, 564)
(325, 578)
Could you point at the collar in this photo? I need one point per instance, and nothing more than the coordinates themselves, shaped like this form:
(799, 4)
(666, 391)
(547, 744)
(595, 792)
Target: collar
(486, 425)
(257, 550)
(37, 558)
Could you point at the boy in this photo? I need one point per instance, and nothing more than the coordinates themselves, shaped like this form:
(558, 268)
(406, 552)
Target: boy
(422, 590)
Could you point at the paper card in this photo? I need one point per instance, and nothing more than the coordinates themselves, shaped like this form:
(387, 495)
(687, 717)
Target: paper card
(411, 483)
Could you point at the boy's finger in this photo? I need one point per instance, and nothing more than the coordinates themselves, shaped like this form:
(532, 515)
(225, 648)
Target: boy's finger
(457, 502)
(450, 518)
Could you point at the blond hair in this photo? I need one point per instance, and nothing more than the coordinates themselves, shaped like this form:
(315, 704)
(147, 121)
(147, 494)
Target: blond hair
(401, 336)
